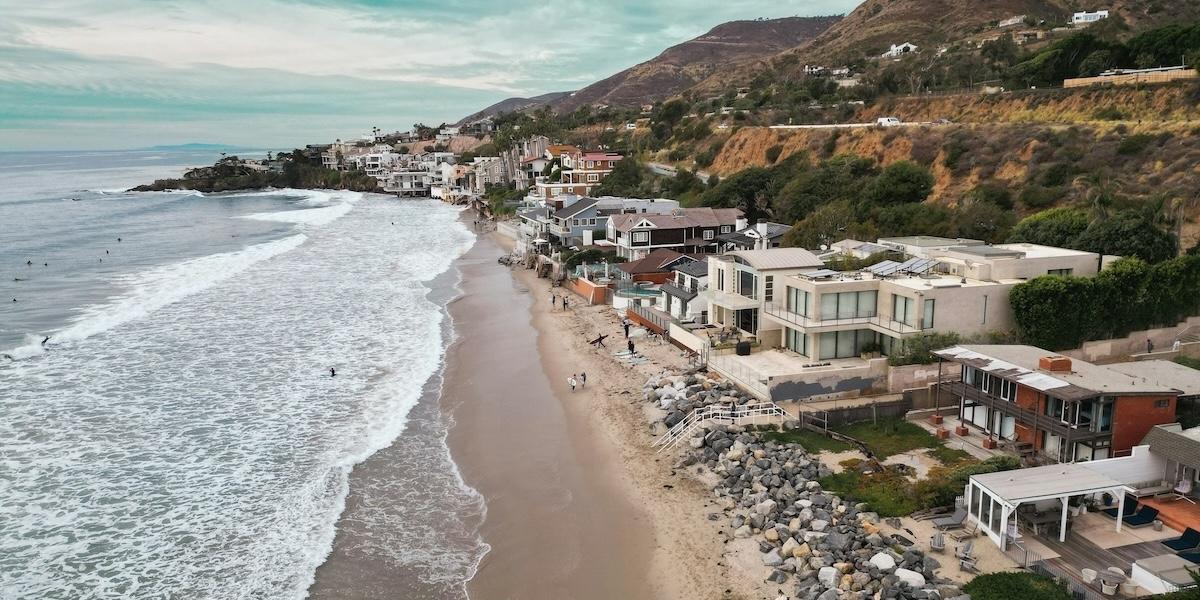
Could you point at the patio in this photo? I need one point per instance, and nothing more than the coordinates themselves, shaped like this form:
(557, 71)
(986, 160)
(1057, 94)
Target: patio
(760, 371)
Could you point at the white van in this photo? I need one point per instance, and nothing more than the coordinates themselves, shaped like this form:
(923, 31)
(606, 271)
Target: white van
(887, 121)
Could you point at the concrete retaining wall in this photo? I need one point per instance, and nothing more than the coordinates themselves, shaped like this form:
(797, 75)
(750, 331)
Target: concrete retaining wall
(1134, 343)
(846, 382)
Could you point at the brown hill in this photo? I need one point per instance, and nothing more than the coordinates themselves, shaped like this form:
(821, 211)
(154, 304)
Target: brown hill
(680, 67)
(513, 105)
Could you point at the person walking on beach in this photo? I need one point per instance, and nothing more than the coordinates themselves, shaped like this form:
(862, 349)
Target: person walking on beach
(626, 324)
(582, 379)
(629, 344)
(564, 303)
(599, 341)
(571, 381)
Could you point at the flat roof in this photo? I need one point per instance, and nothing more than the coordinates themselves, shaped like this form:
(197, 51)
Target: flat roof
(1040, 251)
(1162, 372)
(1050, 481)
(929, 241)
(988, 251)
(1020, 363)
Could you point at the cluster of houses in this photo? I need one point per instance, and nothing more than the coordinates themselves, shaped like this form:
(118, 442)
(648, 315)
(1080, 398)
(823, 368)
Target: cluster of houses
(787, 326)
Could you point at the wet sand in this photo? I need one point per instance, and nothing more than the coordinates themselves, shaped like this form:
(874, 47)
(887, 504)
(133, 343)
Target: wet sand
(560, 520)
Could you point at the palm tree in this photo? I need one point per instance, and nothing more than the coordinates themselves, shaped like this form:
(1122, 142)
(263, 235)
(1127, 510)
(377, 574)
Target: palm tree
(1099, 191)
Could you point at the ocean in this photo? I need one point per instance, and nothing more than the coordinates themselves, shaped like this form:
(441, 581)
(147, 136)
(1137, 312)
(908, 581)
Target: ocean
(179, 435)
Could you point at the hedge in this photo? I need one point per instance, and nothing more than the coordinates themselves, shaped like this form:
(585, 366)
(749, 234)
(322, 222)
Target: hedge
(1062, 312)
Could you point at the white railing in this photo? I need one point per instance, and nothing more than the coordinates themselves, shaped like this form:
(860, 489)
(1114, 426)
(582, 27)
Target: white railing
(728, 365)
(720, 413)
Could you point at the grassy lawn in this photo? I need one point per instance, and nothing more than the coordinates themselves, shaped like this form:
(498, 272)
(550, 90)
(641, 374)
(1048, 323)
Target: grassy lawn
(1004, 586)
(948, 456)
(891, 437)
(888, 494)
(811, 440)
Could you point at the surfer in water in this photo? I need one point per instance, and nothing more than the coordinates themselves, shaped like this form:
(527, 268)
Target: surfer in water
(332, 373)
(44, 340)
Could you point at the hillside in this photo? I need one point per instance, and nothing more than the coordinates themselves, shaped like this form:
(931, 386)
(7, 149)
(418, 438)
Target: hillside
(513, 105)
(679, 67)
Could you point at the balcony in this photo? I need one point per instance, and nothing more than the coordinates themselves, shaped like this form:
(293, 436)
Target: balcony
(877, 322)
(1031, 418)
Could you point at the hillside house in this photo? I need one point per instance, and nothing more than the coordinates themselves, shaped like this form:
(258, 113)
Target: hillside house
(1065, 409)
(898, 50)
(688, 230)
(1011, 21)
(1084, 18)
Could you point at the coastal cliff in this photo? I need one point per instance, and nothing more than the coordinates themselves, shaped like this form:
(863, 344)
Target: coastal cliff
(231, 173)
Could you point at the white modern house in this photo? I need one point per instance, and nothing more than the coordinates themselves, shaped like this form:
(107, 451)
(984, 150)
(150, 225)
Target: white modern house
(684, 297)
(898, 50)
(1087, 18)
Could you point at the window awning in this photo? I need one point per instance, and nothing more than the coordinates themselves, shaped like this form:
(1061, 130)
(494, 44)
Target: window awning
(732, 301)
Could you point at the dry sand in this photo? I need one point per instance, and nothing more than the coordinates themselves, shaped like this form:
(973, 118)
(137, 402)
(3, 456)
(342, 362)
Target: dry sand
(579, 504)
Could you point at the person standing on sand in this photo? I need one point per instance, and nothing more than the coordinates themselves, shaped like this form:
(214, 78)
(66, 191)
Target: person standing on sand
(564, 303)
(571, 381)
(582, 379)
(629, 344)
(626, 324)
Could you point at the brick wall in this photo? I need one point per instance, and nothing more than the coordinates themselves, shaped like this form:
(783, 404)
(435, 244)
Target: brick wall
(1135, 415)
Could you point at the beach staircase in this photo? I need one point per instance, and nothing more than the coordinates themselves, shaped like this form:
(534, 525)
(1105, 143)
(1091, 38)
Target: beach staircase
(756, 413)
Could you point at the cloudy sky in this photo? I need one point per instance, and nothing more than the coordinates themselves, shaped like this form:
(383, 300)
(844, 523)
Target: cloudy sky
(78, 74)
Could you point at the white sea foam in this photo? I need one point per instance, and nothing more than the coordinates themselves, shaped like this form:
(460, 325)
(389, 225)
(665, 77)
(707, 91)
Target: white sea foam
(199, 450)
(330, 207)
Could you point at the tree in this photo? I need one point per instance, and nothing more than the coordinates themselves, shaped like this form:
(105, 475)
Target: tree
(625, 180)
(1054, 312)
(1096, 63)
(983, 220)
(1128, 233)
(745, 189)
(828, 224)
(1055, 227)
(839, 178)
(900, 182)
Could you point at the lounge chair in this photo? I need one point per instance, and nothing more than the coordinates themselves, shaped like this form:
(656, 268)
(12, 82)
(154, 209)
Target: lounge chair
(969, 565)
(1153, 489)
(937, 542)
(1145, 516)
(953, 521)
(1192, 557)
(1190, 540)
(965, 551)
(1089, 575)
(1131, 507)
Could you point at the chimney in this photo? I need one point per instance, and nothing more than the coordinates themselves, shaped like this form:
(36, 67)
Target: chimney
(740, 224)
(1055, 364)
(761, 228)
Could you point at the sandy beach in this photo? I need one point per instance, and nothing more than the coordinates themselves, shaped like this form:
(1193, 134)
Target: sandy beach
(579, 504)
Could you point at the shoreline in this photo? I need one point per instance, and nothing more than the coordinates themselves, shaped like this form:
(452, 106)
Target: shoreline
(681, 550)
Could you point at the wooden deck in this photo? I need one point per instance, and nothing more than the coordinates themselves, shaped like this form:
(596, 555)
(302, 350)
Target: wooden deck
(1175, 513)
(1077, 553)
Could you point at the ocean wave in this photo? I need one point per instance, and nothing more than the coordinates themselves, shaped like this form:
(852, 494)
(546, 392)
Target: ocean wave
(329, 207)
(156, 288)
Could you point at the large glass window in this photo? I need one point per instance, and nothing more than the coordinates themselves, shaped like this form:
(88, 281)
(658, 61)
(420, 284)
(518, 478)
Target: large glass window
(747, 320)
(797, 301)
(747, 284)
(904, 309)
(927, 317)
(848, 305)
(795, 341)
(843, 344)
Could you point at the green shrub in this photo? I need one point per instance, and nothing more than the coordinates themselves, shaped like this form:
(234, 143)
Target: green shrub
(1010, 585)
(1036, 196)
(1134, 144)
(1056, 174)
(1109, 113)
(773, 153)
(918, 350)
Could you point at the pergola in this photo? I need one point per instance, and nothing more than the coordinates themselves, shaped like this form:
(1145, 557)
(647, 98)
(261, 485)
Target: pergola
(992, 498)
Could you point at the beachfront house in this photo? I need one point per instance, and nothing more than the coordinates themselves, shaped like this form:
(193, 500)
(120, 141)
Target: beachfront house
(742, 281)
(581, 221)
(686, 230)
(683, 296)
(1043, 403)
(579, 171)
